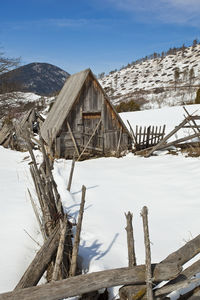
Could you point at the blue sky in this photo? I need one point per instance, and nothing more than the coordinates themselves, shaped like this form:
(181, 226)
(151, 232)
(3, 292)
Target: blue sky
(100, 34)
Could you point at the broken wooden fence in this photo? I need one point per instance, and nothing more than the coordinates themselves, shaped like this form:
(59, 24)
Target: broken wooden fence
(145, 137)
(189, 122)
(135, 279)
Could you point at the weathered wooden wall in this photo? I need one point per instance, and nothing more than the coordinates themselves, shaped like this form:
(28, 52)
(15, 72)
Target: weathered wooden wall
(91, 106)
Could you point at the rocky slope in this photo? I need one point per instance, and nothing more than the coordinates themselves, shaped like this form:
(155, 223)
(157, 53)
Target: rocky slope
(162, 81)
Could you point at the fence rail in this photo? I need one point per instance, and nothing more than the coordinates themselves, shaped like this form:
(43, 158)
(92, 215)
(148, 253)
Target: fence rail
(148, 136)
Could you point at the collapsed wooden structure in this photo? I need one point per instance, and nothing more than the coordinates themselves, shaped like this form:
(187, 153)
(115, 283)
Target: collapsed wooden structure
(10, 133)
(189, 122)
(139, 281)
(145, 137)
(59, 255)
(83, 121)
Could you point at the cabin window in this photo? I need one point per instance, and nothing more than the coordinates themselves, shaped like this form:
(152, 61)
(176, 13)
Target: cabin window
(92, 115)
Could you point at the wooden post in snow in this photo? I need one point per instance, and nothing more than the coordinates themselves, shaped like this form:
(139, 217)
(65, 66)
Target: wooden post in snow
(130, 240)
(71, 175)
(59, 255)
(144, 215)
(73, 266)
(119, 142)
(41, 261)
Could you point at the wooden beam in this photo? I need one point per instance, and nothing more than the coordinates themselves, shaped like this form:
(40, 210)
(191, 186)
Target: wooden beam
(73, 266)
(156, 147)
(185, 253)
(187, 274)
(71, 175)
(180, 285)
(130, 240)
(180, 140)
(193, 121)
(59, 254)
(148, 275)
(40, 263)
(132, 132)
(73, 139)
(89, 139)
(161, 146)
(119, 142)
(94, 281)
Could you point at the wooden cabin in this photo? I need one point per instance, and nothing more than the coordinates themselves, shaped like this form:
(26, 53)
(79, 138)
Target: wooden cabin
(83, 121)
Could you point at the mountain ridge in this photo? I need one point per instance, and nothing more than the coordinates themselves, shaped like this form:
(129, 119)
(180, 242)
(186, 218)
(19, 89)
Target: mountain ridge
(41, 78)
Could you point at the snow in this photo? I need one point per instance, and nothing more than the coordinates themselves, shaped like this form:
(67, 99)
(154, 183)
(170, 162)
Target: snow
(17, 249)
(168, 185)
(170, 116)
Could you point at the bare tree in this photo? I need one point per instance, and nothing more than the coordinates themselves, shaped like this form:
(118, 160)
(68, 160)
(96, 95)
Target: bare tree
(7, 64)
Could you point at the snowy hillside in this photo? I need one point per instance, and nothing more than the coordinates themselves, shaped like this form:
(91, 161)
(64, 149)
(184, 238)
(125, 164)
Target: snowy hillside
(168, 185)
(153, 83)
(15, 104)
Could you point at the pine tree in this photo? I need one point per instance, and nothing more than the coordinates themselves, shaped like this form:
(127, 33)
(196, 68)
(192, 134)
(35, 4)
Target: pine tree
(176, 76)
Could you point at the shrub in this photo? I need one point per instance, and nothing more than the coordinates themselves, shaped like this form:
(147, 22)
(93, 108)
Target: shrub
(127, 106)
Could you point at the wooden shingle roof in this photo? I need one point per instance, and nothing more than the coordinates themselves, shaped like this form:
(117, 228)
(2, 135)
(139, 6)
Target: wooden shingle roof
(63, 104)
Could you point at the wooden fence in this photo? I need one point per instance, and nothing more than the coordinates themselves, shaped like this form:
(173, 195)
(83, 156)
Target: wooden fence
(150, 136)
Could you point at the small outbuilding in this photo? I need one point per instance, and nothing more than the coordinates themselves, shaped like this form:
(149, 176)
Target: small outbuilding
(83, 122)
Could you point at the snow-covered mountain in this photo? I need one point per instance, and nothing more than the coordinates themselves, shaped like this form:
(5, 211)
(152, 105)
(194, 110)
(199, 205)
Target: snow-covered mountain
(162, 81)
(40, 78)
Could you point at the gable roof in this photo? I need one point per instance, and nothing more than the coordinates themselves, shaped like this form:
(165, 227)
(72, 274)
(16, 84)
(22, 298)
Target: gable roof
(64, 103)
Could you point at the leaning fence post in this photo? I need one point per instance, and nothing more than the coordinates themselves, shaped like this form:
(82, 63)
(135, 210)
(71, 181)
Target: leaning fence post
(130, 240)
(72, 271)
(144, 215)
(71, 175)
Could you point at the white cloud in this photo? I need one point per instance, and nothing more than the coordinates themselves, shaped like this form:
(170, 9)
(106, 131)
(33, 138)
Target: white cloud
(185, 12)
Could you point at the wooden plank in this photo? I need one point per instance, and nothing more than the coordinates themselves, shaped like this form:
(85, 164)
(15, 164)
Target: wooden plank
(159, 135)
(180, 285)
(71, 175)
(140, 135)
(119, 142)
(89, 139)
(134, 136)
(59, 254)
(148, 275)
(166, 137)
(187, 274)
(193, 121)
(73, 139)
(185, 253)
(73, 266)
(163, 132)
(148, 136)
(93, 281)
(130, 240)
(5, 132)
(144, 136)
(40, 263)
(179, 141)
(155, 135)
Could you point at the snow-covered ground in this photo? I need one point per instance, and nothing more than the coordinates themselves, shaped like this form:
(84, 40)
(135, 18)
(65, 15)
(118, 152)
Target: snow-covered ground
(168, 185)
(17, 220)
